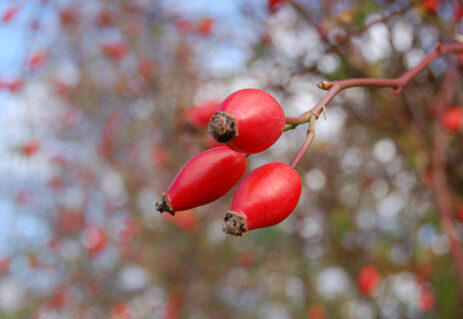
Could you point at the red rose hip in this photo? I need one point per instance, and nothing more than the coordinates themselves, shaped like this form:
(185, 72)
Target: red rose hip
(452, 118)
(200, 115)
(203, 179)
(368, 280)
(264, 198)
(249, 121)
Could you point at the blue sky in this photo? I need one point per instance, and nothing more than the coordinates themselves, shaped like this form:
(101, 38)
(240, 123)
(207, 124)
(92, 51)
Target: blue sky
(16, 43)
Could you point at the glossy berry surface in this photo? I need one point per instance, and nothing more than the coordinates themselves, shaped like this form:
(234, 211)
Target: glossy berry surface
(368, 280)
(264, 198)
(203, 179)
(452, 118)
(249, 121)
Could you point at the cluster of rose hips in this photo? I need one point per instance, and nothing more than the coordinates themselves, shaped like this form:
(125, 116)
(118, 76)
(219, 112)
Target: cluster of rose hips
(248, 121)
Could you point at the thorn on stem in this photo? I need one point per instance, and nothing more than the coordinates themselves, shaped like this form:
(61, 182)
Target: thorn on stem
(324, 113)
(397, 90)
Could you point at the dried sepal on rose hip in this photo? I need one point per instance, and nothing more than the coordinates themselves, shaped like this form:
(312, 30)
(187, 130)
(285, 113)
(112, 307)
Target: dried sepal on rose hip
(203, 179)
(249, 121)
(264, 198)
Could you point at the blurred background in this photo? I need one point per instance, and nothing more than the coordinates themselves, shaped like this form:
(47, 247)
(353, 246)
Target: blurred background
(99, 109)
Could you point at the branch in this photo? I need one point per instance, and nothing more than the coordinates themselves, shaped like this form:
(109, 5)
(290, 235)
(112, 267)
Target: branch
(334, 87)
(440, 186)
(307, 143)
(382, 19)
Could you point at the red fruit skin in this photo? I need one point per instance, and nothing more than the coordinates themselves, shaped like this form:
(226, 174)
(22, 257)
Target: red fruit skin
(212, 143)
(186, 220)
(431, 6)
(199, 116)
(426, 300)
(4, 264)
(460, 213)
(36, 60)
(95, 240)
(457, 11)
(121, 311)
(317, 311)
(368, 280)
(259, 117)
(267, 195)
(30, 148)
(274, 5)
(205, 26)
(10, 14)
(452, 119)
(205, 178)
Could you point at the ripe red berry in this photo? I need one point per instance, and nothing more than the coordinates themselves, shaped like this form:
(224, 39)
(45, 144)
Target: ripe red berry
(316, 311)
(212, 143)
(36, 60)
(426, 300)
(205, 178)
(183, 25)
(452, 119)
(186, 220)
(69, 16)
(30, 148)
(117, 50)
(95, 239)
(200, 115)
(457, 11)
(264, 198)
(249, 121)
(10, 14)
(205, 26)
(121, 311)
(368, 280)
(460, 213)
(4, 264)
(431, 6)
(274, 5)
(13, 85)
(105, 18)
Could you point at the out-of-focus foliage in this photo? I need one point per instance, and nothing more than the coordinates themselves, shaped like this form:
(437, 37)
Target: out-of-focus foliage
(95, 127)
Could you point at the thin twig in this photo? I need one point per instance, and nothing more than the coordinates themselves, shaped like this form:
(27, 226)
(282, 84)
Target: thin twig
(307, 143)
(334, 87)
(382, 19)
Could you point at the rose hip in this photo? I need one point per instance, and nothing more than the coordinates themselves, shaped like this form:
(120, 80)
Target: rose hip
(264, 198)
(368, 280)
(200, 115)
(205, 178)
(452, 118)
(249, 121)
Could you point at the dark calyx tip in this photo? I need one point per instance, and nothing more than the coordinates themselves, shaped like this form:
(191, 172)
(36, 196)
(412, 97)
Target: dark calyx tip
(222, 127)
(164, 205)
(234, 224)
